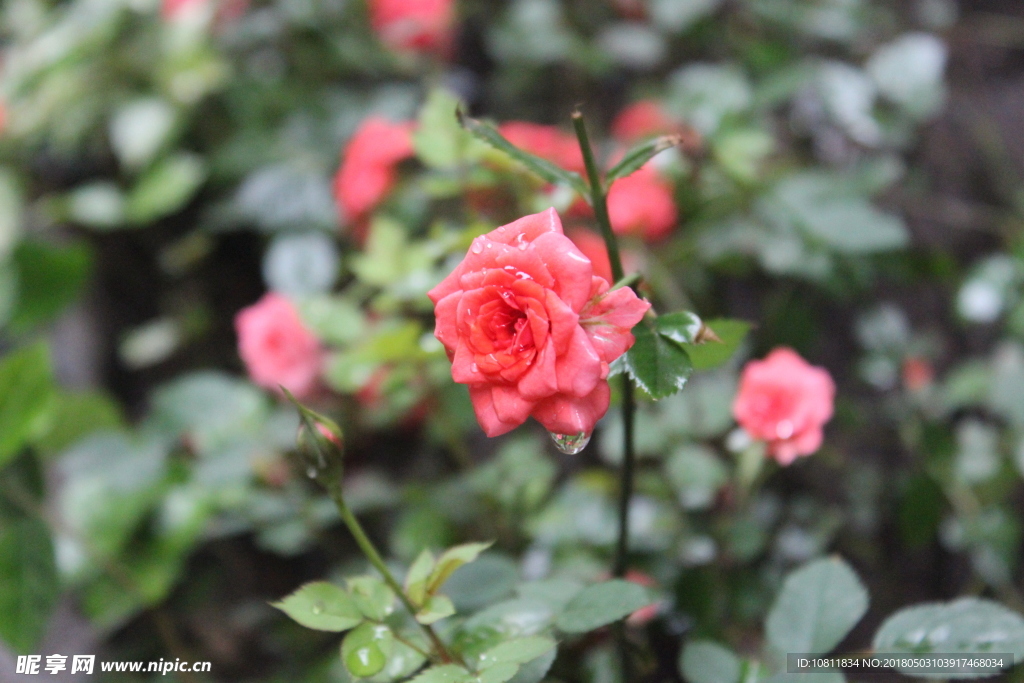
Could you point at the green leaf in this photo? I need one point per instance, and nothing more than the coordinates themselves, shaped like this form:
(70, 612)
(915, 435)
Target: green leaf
(26, 395)
(50, 278)
(29, 585)
(657, 364)
(601, 604)
(704, 661)
(373, 597)
(448, 673)
(541, 167)
(321, 606)
(439, 140)
(452, 559)
(11, 205)
(366, 649)
(696, 475)
(818, 605)
(165, 188)
(638, 156)
(536, 670)
(682, 327)
(417, 577)
(436, 608)
(711, 354)
(77, 415)
(968, 626)
(518, 651)
(499, 673)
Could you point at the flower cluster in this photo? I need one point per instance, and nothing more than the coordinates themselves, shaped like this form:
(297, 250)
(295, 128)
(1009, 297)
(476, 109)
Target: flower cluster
(531, 329)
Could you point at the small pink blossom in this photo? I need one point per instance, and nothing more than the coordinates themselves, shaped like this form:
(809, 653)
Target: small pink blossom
(531, 329)
(784, 401)
(277, 348)
(414, 25)
(642, 204)
(368, 164)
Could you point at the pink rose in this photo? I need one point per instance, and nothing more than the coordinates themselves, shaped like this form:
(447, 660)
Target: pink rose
(413, 25)
(367, 170)
(785, 402)
(531, 329)
(642, 204)
(277, 348)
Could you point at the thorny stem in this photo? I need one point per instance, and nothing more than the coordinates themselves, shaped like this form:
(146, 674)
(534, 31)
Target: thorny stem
(327, 471)
(366, 545)
(600, 203)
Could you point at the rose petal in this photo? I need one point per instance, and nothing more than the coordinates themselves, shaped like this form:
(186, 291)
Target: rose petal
(541, 380)
(445, 312)
(579, 369)
(562, 414)
(572, 270)
(486, 415)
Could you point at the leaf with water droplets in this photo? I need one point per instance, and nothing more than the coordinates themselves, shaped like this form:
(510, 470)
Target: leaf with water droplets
(968, 626)
(657, 364)
(321, 606)
(571, 444)
(366, 649)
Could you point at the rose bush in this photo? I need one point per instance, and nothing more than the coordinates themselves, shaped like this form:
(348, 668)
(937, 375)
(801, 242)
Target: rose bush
(785, 402)
(531, 329)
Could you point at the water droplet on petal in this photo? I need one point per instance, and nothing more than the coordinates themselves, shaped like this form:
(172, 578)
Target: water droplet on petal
(477, 248)
(318, 608)
(571, 444)
(521, 242)
(474, 367)
(501, 229)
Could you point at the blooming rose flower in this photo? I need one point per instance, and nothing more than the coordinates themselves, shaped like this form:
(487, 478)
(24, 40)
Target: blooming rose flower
(785, 401)
(642, 204)
(547, 142)
(367, 170)
(531, 329)
(276, 346)
(413, 25)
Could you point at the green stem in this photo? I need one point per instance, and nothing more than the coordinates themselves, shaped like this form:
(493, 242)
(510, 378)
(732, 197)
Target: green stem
(600, 202)
(626, 485)
(366, 545)
(597, 196)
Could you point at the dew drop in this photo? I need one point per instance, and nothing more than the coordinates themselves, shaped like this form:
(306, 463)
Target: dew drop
(474, 367)
(318, 608)
(501, 229)
(571, 444)
(521, 242)
(477, 248)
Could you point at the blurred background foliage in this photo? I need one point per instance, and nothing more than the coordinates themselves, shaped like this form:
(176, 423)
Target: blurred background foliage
(851, 187)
